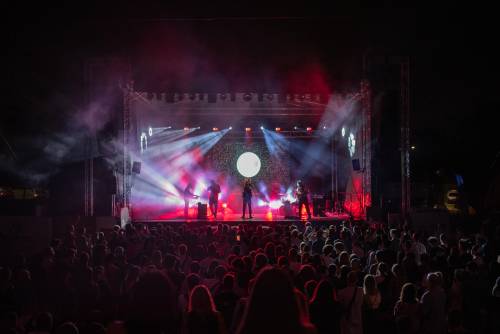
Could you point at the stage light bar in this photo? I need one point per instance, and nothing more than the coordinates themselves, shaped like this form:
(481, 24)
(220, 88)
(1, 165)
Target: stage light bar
(248, 129)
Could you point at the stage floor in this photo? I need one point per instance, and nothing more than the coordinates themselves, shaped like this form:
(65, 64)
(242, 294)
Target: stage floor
(257, 218)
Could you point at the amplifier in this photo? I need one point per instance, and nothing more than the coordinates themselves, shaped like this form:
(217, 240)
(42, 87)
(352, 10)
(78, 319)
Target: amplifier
(202, 211)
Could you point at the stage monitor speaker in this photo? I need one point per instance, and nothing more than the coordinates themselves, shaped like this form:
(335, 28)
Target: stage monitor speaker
(202, 211)
(355, 165)
(136, 167)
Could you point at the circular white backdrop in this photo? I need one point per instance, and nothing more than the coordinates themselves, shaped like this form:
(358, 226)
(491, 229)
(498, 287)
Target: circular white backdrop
(248, 164)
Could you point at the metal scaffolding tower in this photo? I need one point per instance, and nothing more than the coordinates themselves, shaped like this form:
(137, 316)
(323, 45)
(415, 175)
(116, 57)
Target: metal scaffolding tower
(405, 137)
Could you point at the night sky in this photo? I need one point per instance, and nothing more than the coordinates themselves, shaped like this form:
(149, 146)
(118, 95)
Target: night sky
(264, 47)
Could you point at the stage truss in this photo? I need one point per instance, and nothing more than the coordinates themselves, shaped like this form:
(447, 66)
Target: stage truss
(181, 106)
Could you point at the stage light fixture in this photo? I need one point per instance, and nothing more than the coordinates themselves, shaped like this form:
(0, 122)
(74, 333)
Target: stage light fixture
(324, 127)
(413, 147)
(343, 132)
(278, 129)
(248, 164)
(186, 128)
(309, 129)
(150, 131)
(248, 129)
(215, 129)
(261, 127)
(230, 128)
(295, 127)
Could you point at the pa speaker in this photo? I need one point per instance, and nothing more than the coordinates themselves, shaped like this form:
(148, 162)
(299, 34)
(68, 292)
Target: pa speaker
(136, 167)
(355, 165)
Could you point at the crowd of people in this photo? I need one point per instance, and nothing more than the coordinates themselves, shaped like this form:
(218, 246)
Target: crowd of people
(349, 278)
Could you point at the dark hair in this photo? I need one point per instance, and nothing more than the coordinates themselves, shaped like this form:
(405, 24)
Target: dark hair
(44, 322)
(200, 300)
(153, 304)
(272, 305)
(228, 281)
(408, 293)
(323, 293)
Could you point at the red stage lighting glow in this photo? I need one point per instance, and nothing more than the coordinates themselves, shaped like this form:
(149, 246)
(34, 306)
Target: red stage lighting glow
(248, 129)
(278, 129)
(224, 205)
(309, 129)
(269, 216)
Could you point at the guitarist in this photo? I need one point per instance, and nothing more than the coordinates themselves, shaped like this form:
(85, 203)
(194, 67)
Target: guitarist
(188, 195)
(302, 197)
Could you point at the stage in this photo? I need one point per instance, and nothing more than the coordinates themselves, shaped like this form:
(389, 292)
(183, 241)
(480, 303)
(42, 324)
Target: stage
(235, 219)
(188, 145)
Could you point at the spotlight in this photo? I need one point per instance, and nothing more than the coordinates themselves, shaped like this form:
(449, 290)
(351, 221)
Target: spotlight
(186, 128)
(295, 127)
(278, 129)
(324, 127)
(197, 128)
(224, 205)
(248, 129)
(309, 129)
(261, 127)
(230, 128)
(215, 129)
(343, 132)
(150, 131)
(413, 147)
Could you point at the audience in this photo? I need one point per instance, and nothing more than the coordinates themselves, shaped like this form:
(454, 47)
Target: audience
(352, 277)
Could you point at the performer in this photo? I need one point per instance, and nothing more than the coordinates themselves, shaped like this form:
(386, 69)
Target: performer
(213, 197)
(301, 193)
(188, 195)
(247, 198)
